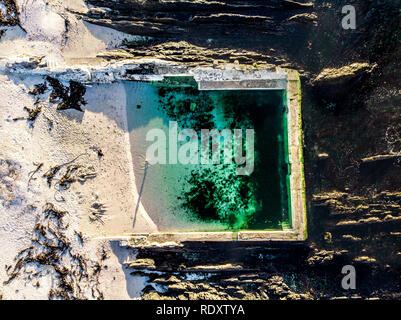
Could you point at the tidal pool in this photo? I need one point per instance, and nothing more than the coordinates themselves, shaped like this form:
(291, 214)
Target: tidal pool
(210, 197)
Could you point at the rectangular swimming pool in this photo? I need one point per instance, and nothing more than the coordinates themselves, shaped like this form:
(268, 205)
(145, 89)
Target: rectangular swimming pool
(180, 190)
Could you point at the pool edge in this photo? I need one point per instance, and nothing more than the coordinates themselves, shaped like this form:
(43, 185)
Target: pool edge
(298, 230)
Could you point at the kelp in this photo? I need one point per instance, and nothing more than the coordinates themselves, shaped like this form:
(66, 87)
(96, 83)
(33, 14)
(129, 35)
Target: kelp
(50, 248)
(67, 97)
(217, 193)
(97, 212)
(38, 89)
(33, 113)
(32, 173)
(51, 173)
(76, 173)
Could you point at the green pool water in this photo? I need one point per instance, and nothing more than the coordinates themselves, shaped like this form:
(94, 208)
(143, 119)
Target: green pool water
(211, 197)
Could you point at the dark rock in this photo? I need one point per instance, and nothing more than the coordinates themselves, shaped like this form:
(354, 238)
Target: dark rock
(11, 17)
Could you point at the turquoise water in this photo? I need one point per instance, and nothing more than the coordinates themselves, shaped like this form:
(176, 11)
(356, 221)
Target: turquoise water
(210, 197)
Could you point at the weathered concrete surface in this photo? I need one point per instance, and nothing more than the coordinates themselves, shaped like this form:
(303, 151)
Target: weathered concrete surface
(295, 145)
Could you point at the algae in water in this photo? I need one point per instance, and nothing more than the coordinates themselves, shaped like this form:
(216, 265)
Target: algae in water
(216, 192)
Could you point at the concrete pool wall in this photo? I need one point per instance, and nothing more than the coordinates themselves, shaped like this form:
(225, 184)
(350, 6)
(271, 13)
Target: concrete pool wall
(288, 81)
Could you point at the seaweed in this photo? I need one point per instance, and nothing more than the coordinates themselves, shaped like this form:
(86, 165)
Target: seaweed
(104, 255)
(80, 236)
(188, 106)
(85, 174)
(50, 211)
(68, 177)
(97, 212)
(38, 89)
(61, 199)
(217, 193)
(67, 97)
(11, 16)
(32, 173)
(99, 151)
(33, 113)
(76, 173)
(51, 173)
(59, 91)
(51, 247)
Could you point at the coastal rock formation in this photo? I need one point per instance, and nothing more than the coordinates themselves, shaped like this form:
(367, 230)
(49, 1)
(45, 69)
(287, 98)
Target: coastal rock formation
(336, 82)
(343, 75)
(217, 31)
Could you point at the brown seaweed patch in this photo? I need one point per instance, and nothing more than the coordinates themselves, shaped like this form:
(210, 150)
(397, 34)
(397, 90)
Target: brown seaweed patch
(51, 173)
(97, 212)
(51, 251)
(67, 97)
(33, 113)
(38, 89)
(76, 173)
